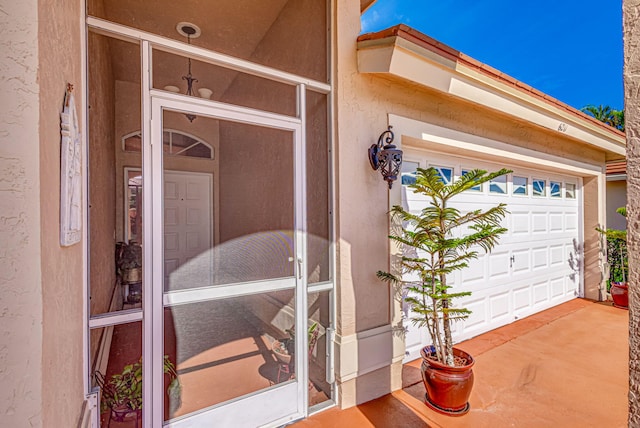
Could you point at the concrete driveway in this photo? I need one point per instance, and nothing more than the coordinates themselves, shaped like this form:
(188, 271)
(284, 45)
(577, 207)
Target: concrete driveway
(564, 367)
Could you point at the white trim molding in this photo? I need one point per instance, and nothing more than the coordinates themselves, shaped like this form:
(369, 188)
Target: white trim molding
(364, 352)
(423, 135)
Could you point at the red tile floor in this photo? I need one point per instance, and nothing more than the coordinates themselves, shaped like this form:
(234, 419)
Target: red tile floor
(564, 367)
(222, 352)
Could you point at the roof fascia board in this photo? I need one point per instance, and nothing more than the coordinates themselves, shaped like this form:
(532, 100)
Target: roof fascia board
(427, 136)
(406, 60)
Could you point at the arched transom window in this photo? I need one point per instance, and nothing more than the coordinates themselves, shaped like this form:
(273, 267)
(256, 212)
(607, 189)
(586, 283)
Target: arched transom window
(176, 143)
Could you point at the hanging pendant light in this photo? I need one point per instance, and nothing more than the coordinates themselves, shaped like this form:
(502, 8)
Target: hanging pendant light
(190, 31)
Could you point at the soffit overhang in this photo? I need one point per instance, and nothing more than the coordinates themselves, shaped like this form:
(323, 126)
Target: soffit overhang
(403, 53)
(364, 4)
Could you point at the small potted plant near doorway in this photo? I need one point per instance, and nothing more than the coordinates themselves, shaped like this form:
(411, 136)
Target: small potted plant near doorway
(121, 394)
(284, 350)
(617, 263)
(437, 242)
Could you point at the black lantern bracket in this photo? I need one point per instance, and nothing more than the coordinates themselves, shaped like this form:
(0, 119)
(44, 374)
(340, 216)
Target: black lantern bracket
(384, 156)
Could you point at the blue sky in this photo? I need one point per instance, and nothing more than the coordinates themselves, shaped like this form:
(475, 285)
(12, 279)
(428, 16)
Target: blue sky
(569, 49)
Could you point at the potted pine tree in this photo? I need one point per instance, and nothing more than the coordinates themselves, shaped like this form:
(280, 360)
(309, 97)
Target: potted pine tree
(437, 242)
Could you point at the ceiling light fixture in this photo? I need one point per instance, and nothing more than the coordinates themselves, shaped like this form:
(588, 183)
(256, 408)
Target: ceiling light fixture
(190, 31)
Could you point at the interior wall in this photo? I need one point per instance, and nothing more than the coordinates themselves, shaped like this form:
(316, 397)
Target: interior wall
(21, 306)
(317, 169)
(297, 40)
(298, 25)
(252, 158)
(60, 62)
(101, 162)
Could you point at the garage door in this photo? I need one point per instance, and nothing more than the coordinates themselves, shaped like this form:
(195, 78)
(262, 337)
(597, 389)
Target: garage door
(535, 265)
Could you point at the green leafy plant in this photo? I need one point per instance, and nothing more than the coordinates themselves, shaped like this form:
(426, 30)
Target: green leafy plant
(438, 241)
(617, 260)
(290, 343)
(606, 114)
(123, 391)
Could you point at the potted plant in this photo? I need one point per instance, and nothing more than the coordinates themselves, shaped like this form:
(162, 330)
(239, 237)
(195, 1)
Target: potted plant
(617, 263)
(121, 394)
(285, 348)
(437, 242)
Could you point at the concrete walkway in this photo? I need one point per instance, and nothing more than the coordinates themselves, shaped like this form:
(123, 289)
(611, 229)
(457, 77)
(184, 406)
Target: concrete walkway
(564, 367)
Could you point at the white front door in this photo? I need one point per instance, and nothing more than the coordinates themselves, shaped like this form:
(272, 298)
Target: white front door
(214, 311)
(536, 264)
(188, 219)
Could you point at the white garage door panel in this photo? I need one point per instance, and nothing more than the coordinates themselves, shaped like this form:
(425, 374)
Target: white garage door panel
(498, 265)
(529, 270)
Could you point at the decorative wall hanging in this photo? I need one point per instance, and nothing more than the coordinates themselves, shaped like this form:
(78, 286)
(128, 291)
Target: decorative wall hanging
(70, 173)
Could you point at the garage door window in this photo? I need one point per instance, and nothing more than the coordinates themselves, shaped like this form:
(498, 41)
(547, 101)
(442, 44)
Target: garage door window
(477, 188)
(539, 187)
(409, 172)
(520, 185)
(555, 189)
(498, 185)
(446, 174)
(569, 190)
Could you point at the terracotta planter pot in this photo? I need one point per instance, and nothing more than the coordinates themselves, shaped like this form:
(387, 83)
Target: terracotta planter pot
(280, 351)
(620, 294)
(121, 414)
(448, 388)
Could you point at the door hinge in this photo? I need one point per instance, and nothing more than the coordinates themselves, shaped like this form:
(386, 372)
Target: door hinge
(330, 352)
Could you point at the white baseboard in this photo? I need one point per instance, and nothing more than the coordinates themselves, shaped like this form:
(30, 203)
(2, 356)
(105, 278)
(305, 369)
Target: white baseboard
(365, 352)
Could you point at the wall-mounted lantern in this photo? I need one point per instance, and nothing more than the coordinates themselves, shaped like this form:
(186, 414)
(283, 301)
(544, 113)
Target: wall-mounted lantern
(387, 158)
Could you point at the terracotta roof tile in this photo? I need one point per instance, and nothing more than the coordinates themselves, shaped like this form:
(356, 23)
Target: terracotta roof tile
(618, 167)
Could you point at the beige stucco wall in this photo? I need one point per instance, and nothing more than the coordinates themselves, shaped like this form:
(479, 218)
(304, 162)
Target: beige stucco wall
(101, 164)
(60, 34)
(362, 103)
(631, 27)
(20, 271)
(593, 215)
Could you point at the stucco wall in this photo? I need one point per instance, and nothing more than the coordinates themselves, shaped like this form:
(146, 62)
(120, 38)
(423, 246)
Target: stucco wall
(616, 198)
(593, 278)
(20, 275)
(60, 34)
(631, 26)
(252, 155)
(102, 178)
(362, 103)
